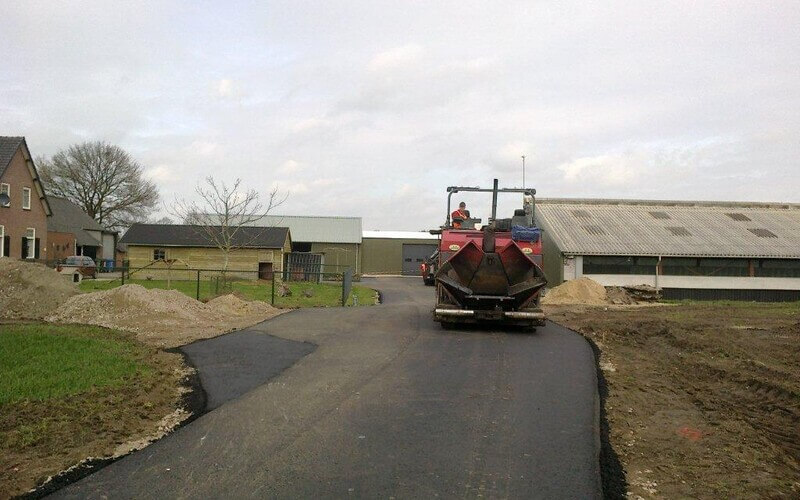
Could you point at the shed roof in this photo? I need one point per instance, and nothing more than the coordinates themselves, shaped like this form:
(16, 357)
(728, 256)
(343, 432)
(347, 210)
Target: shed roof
(671, 228)
(70, 218)
(177, 235)
(316, 229)
(401, 235)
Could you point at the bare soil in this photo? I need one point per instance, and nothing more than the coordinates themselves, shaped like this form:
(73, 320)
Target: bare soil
(164, 318)
(703, 399)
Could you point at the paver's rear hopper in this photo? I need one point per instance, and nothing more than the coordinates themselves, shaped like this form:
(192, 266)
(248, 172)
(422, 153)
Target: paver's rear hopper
(492, 282)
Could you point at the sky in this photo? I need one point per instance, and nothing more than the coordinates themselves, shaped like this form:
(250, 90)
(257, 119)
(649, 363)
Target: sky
(371, 108)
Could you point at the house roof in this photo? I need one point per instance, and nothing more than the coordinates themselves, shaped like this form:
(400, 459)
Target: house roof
(400, 235)
(176, 235)
(671, 228)
(316, 229)
(8, 148)
(70, 218)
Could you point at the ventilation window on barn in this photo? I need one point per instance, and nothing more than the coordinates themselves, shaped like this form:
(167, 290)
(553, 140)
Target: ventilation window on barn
(763, 233)
(659, 215)
(601, 264)
(159, 254)
(739, 217)
(26, 198)
(778, 268)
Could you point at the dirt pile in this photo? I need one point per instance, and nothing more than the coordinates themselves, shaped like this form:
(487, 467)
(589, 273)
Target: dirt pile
(579, 291)
(166, 318)
(31, 291)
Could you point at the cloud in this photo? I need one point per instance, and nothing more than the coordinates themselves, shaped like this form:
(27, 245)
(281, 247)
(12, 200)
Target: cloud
(366, 108)
(225, 87)
(289, 166)
(161, 173)
(396, 58)
(605, 170)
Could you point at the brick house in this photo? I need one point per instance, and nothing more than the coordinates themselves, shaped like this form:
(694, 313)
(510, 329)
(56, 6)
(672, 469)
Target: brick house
(23, 220)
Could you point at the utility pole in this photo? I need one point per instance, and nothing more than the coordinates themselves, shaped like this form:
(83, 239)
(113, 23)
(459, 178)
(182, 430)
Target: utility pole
(523, 171)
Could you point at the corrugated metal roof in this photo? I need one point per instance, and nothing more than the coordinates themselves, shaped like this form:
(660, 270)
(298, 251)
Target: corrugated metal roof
(316, 229)
(702, 229)
(400, 235)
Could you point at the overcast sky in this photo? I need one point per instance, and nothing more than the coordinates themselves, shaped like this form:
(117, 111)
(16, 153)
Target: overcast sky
(372, 108)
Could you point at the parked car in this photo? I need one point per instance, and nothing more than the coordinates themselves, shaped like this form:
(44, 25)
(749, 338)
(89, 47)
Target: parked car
(428, 268)
(78, 265)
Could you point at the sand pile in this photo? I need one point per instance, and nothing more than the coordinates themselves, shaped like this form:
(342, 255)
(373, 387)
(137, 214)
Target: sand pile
(31, 291)
(233, 305)
(579, 291)
(166, 318)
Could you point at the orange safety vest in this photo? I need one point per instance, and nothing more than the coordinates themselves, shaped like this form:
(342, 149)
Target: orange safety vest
(460, 215)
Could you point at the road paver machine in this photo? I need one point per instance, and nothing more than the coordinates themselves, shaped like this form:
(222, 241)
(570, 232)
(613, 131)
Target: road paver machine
(491, 274)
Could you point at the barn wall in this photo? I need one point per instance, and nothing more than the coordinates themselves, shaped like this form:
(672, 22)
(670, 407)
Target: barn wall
(140, 256)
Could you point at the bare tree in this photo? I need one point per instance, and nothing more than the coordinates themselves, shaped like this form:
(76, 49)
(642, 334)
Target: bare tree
(103, 179)
(220, 212)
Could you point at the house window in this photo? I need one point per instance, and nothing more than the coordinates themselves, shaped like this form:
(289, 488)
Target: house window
(159, 254)
(29, 243)
(2, 241)
(26, 198)
(6, 189)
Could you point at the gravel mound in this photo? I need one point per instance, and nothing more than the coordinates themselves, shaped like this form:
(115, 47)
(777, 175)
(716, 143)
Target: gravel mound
(31, 291)
(166, 318)
(579, 291)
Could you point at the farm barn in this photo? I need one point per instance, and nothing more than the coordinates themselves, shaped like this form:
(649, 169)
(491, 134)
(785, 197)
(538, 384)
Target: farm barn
(688, 249)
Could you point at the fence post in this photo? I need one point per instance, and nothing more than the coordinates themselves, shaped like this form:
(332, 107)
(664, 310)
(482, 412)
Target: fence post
(123, 273)
(273, 288)
(198, 285)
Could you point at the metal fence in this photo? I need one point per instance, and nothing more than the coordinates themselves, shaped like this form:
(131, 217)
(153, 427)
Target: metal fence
(281, 289)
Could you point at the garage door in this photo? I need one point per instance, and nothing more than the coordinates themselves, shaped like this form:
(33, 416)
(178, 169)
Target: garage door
(414, 255)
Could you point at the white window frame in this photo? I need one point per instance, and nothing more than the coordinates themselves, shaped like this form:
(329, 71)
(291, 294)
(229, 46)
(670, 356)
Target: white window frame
(6, 188)
(2, 240)
(31, 243)
(26, 196)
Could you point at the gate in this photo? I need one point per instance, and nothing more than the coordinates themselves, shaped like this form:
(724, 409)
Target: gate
(303, 266)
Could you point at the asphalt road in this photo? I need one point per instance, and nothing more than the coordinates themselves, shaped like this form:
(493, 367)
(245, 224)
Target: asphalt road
(387, 405)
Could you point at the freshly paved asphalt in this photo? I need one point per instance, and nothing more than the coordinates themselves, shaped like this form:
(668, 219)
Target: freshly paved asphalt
(387, 405)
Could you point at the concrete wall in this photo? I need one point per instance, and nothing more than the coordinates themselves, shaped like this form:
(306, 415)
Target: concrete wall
(13, 218)
(140, 256)
(385, 255)
(338, 256)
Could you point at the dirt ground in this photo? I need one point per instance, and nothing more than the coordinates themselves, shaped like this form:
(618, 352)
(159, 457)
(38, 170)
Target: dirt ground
(39, 438)
(703, 399)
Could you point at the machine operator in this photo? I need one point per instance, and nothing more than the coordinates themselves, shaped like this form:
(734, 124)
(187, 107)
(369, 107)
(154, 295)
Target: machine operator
(460, 215)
